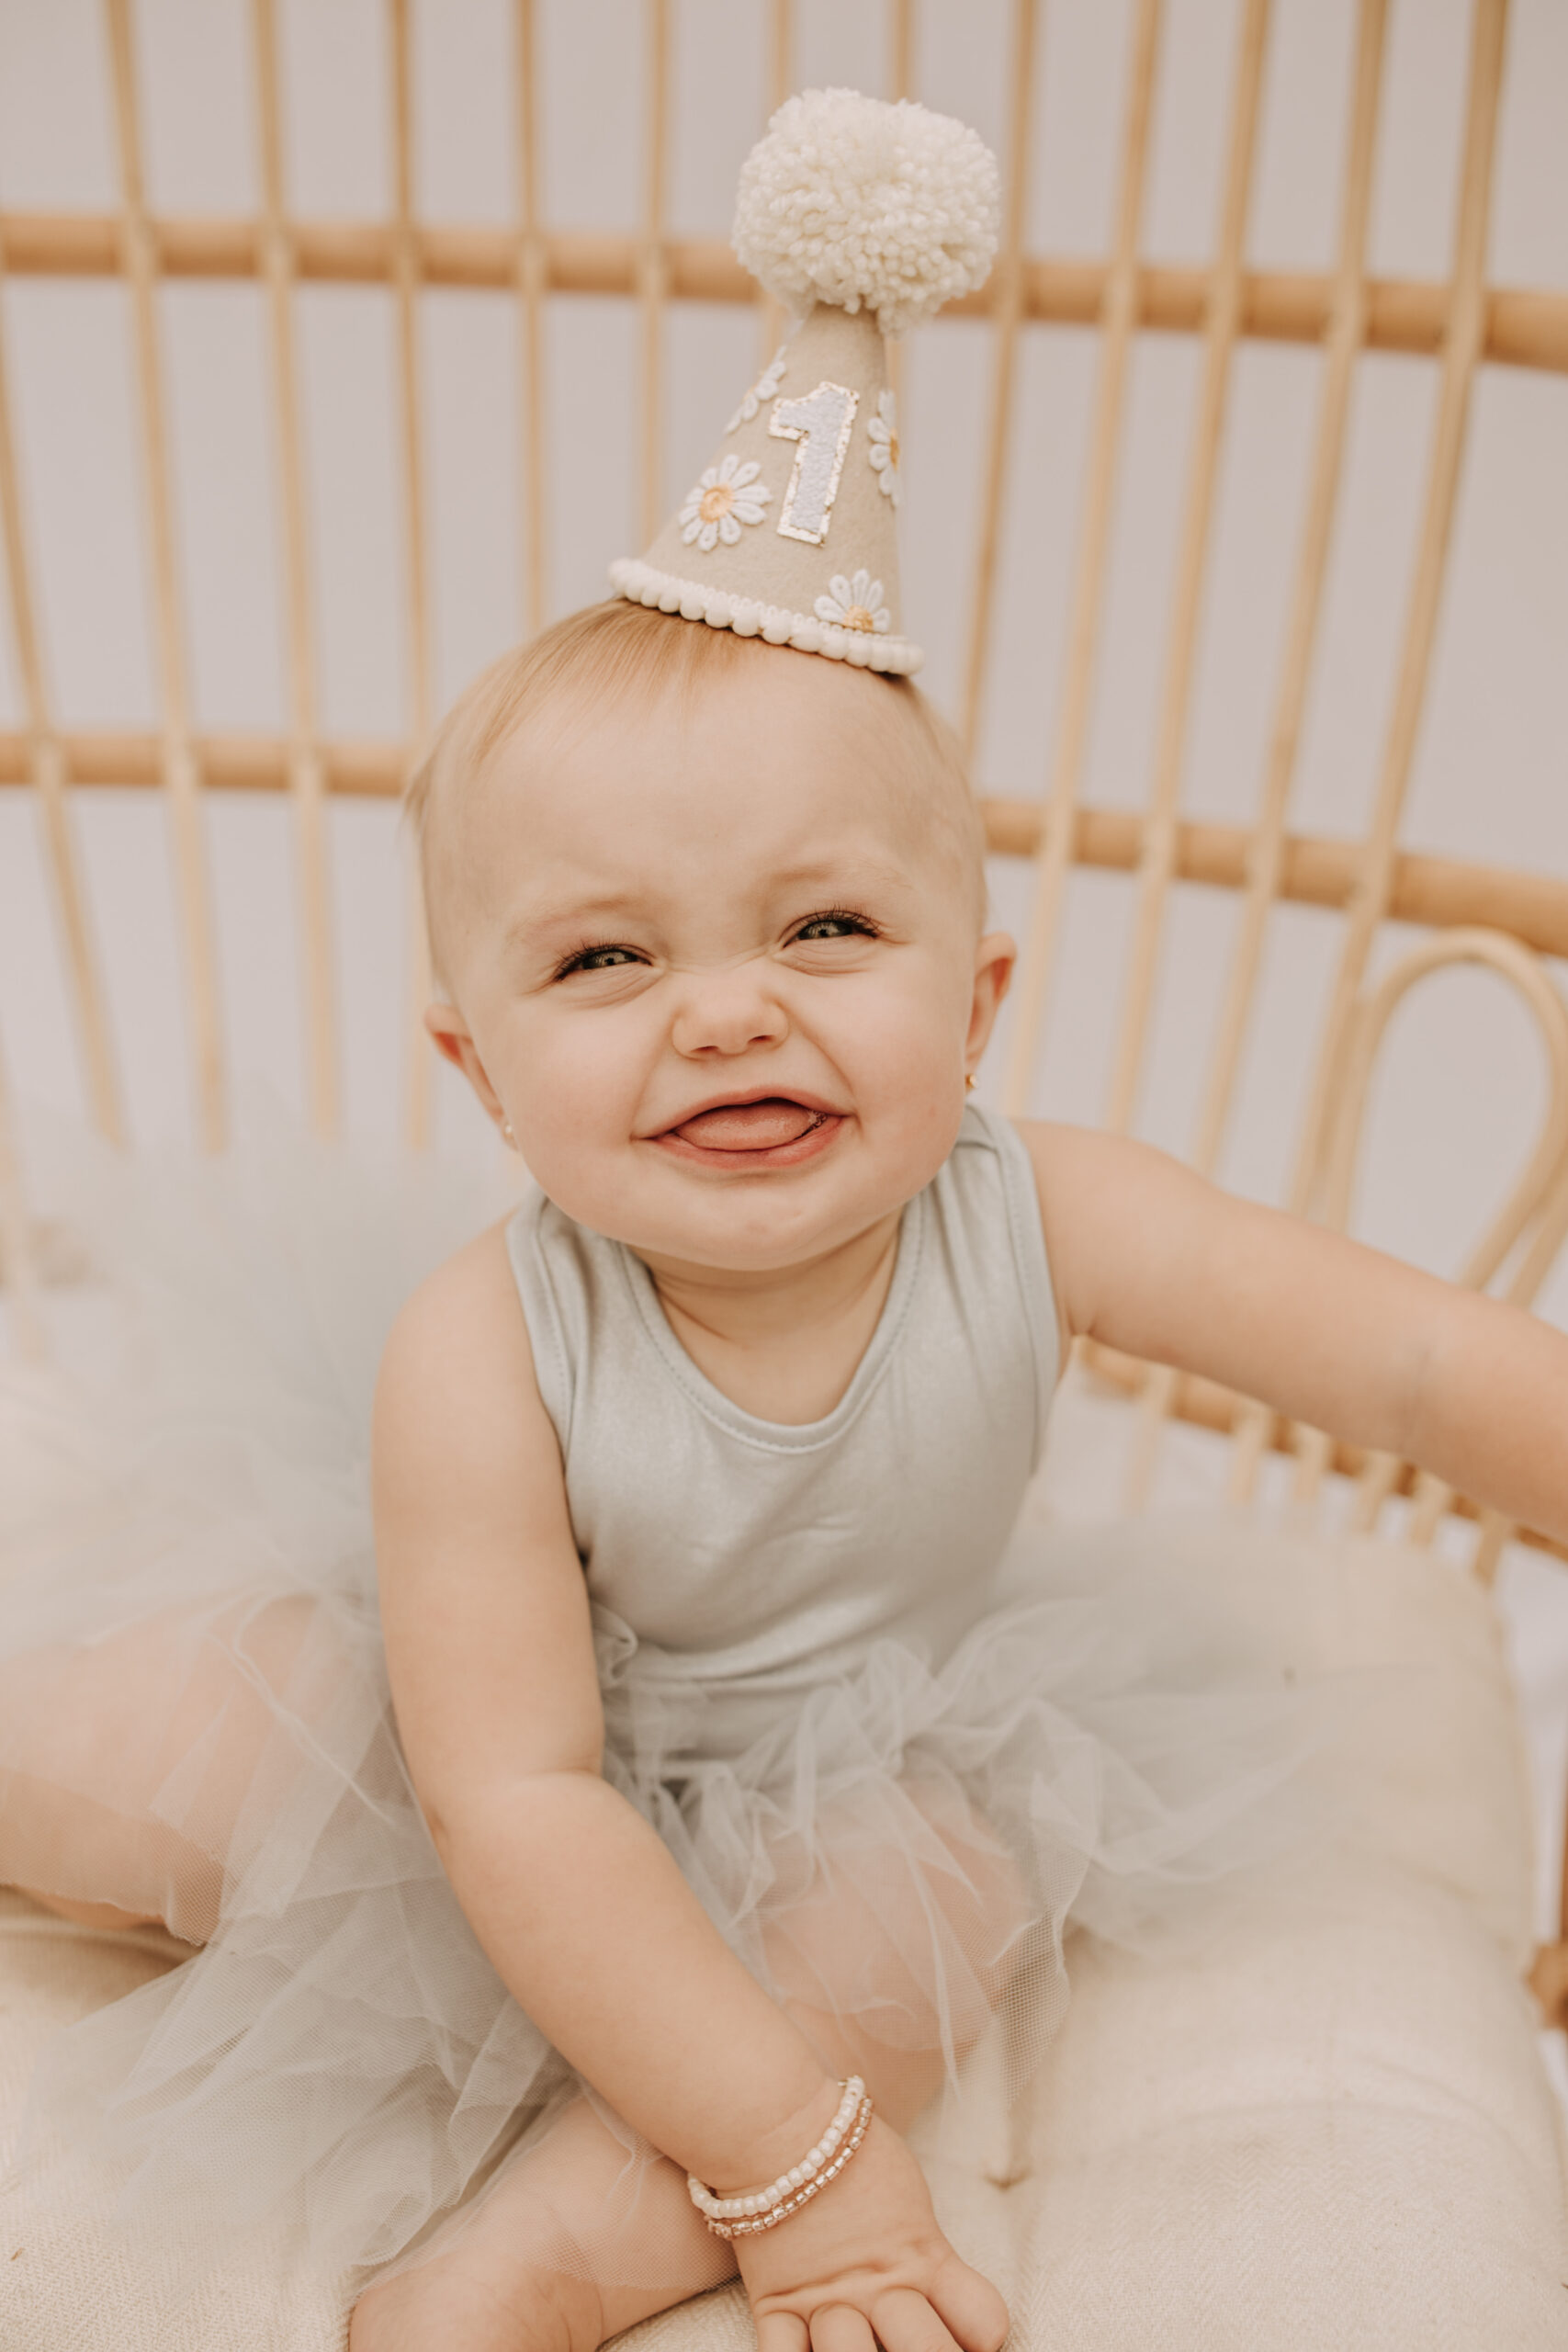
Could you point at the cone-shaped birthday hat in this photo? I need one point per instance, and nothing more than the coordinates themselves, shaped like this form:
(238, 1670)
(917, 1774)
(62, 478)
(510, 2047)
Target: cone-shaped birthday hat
(862, 217)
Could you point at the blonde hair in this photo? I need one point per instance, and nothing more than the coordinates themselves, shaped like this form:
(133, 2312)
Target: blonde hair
(618, 650)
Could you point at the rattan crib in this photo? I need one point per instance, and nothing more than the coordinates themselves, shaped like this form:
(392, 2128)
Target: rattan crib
(1369, 886)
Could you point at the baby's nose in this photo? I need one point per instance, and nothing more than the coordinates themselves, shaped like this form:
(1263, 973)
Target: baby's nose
(728, 1013)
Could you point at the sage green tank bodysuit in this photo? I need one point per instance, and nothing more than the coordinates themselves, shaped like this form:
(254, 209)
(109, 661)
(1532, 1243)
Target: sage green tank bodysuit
(753, 1561)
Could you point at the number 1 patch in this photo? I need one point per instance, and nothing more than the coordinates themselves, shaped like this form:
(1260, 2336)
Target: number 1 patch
(820, 424)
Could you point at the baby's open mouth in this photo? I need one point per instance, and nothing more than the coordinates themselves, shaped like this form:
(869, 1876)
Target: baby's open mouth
(776, 1131)
(749, 1127)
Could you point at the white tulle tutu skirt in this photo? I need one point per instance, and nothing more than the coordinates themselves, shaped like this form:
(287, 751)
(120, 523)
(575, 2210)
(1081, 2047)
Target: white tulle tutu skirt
(194, 1720)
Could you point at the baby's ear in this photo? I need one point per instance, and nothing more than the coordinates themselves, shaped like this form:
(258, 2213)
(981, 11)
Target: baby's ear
(454, 1039)
(450, 1030)
(994, 960)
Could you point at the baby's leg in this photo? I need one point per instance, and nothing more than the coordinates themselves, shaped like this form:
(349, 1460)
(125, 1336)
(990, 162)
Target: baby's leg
(92, 1734)
(89, 1914)
(500, 2286)
(835, 1942)
(838, 1945)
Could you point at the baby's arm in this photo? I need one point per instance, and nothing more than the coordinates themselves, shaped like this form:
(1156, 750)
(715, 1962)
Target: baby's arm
(1149, 1258)
(575, 1898)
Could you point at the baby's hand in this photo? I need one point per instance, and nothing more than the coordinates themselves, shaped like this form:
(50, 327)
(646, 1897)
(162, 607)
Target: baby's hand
(865, 2264)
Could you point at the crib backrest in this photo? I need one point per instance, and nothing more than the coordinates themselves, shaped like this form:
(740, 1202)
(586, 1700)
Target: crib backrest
(339, 347)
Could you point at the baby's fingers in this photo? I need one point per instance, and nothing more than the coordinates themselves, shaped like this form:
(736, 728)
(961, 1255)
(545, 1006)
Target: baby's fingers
(782, 2332)
(905, 2322)
(835, 2327)
(971, 2306)
(838, 2327)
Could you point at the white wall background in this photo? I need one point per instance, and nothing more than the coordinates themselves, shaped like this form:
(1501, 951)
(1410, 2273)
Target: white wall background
(1462, 1088)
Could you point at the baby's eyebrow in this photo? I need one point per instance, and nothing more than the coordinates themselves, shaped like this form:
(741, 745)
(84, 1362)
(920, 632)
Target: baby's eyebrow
(840, 876)
(546, 915)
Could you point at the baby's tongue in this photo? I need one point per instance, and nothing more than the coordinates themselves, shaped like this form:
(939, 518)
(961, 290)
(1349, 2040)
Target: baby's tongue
(748, 1126)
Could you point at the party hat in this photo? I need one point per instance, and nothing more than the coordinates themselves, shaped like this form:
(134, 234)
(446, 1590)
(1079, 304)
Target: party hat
(860, 218)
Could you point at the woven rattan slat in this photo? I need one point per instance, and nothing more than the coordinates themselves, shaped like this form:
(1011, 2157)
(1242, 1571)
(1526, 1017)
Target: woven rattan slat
(305, 773)
(530, 272)
(651, 268)
(407, 278)
(1007, 310)
(1315, 871)
(1056, 849)
(1221, 331)
(180, 773)
(1524, 326)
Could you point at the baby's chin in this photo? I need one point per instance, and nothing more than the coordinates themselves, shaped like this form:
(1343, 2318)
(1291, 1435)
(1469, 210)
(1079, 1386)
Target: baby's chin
(761, 1213)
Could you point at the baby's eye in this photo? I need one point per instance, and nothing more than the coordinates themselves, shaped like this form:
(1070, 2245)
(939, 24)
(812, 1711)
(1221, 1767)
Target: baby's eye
(837, 925)
(597, 959)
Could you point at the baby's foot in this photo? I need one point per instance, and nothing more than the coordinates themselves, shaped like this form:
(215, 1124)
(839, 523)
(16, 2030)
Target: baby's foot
(485, 2296)
(495, 2287)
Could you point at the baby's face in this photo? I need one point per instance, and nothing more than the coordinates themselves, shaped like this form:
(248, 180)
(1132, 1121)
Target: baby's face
(716, 963)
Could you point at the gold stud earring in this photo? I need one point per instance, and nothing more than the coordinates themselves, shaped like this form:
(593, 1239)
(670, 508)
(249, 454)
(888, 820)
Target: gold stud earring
(969, 1081)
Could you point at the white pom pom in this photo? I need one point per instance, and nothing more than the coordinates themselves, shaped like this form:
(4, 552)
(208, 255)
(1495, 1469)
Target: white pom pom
(852, 201)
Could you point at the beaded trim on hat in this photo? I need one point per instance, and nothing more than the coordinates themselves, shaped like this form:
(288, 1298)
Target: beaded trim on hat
(641, 584)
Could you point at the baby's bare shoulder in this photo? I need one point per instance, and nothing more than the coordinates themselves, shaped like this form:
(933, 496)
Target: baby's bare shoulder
(471, 1295)
(456, 1374)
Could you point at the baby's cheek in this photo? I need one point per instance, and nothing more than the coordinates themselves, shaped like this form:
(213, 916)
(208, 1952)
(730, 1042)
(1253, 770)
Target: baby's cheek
(907, 1048)
(575, 1085)
(910, 1096)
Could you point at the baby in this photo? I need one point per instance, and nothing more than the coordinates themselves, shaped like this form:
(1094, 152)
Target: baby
(745, 1762)
(719, 1760)
(709, 923)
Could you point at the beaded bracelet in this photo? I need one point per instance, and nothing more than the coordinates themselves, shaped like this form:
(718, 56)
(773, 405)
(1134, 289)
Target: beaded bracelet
(803, 2194)
(763, 2209)
(758, 2200)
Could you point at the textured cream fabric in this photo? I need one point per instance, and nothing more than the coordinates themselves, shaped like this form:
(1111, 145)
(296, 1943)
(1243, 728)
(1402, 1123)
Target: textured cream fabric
(1332, 2132)
(1430, 1756)
(76, 2287)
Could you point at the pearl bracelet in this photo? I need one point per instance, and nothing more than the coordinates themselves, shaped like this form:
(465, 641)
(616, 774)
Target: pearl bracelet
(758, 2200)
(762, 2209)
(803, 2194)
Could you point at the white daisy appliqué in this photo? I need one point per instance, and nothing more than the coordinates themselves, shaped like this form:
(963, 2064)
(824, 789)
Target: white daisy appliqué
(854, 603)
(764, 387)
(727, 496)
(884, 431)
